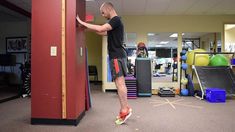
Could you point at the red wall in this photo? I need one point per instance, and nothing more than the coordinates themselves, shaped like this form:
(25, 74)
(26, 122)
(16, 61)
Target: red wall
(76, 71)
(46, 70)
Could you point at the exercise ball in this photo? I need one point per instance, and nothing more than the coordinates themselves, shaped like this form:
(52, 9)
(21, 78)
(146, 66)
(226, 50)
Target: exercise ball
(200, 59)
(218, 60)
(184, 81)
(184, 58)
(184, 92)
(184, 66)
(183, 52)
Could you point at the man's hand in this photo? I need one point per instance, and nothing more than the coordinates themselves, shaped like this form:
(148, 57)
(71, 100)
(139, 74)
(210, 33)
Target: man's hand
(78, 19)
(97, 28)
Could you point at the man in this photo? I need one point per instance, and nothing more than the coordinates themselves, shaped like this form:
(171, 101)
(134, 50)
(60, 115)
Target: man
(114, 29)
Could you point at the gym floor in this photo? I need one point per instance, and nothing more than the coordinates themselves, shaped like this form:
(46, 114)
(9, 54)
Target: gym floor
(150, 114)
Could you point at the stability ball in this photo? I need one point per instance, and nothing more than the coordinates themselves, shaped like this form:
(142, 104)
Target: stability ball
(184, 66)
(184, 58)
(184, 92)
(219, 60)
(183, 52)
(184, 81)
(200, 59)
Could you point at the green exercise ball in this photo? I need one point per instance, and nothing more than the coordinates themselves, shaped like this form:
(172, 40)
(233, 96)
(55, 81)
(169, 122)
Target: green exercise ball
(200, 59)
(219, 60)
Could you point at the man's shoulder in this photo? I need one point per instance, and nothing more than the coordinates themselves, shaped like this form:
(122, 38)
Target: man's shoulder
(115, 18)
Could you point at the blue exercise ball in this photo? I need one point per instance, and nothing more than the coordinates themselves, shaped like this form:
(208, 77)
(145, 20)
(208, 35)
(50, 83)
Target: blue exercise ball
(184, 92)
(184, 52)
(184, 66)
(184, 57)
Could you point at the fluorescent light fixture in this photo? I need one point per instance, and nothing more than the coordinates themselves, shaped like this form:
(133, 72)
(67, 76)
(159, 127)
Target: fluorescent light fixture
(164, 42)
(188, 42)
(151, 34)
(90, 0)
(174, 35)
(158, 45)
(229, 26)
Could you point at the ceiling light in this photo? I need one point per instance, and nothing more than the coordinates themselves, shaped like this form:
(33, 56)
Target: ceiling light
(90, 0)
(151, 34)
(164, 42)
(174, 35)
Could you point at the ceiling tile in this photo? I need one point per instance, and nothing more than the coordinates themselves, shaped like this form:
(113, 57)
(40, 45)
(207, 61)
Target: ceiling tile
(156, 6)
(179, 6)
(202, 7)
(134, 7)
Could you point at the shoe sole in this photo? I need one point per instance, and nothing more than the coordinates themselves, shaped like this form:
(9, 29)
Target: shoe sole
(128, 116)
(121, 122)
(130, 111)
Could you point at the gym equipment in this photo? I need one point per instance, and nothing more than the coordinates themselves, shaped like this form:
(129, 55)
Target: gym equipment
(26, 79)
(200, 59)
(174, 71)
(184, 58)
(184, 66)
(177, 91)
(215, 95)
(131, 87)
(183, 52)
(232, 61)
(143, 76)
(167, 68)
(184, 81)
(166, 92)
(215, 77)
(218, 60)
(184, 92)
(190, 85)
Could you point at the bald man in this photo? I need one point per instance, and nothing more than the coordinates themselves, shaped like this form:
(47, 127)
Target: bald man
(114, 29)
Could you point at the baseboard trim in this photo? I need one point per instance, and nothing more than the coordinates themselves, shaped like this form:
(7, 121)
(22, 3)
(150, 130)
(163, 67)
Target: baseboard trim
(9, 98)
(75, 122)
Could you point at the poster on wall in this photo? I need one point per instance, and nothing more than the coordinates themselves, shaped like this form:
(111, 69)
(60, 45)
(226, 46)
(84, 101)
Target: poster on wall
(16, 44)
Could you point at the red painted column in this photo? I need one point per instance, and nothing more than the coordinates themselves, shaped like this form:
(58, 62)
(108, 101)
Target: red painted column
(46, 104)
(76, 72)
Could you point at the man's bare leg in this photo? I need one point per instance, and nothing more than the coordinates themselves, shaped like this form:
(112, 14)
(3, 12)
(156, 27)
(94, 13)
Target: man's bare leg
(122, 93)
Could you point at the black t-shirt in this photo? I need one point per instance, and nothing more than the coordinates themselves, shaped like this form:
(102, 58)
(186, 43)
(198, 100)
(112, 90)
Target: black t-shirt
(115, 39)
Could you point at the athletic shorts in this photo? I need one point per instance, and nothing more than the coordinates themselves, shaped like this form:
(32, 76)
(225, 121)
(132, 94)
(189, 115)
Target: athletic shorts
(118, 67)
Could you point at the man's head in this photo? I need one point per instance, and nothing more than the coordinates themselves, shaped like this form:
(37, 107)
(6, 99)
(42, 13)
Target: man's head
(106, 10)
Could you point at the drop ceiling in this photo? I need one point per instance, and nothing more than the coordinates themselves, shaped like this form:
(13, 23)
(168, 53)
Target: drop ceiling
(137, 7)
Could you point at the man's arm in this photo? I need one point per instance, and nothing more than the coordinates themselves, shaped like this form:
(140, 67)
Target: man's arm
(99, 33)
(97, 28)
(102, 33)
